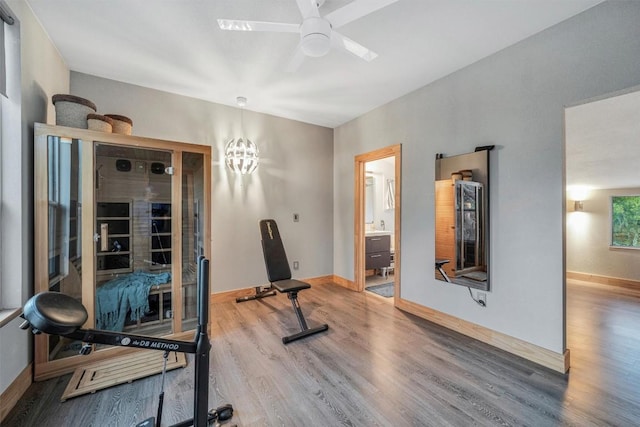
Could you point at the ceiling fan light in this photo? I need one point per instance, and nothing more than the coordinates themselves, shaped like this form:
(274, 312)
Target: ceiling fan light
(315, 37)
(316, 45)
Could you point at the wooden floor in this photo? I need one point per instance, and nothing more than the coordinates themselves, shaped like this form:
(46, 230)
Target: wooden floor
(378, 366)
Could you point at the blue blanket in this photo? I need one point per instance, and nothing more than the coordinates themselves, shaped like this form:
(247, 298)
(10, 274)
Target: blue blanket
(128, 292)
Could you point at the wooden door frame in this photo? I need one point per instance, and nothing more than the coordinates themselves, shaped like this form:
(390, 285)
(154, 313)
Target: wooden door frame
(394, 151)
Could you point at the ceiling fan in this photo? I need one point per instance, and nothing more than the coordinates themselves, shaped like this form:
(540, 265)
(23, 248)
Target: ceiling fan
(317, 33)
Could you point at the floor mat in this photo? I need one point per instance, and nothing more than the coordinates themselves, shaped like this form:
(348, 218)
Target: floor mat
(119, 370)
(385, 290)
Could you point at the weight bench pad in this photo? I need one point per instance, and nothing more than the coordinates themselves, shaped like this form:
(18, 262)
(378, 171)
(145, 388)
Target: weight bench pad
(275, 258)
(290, 285)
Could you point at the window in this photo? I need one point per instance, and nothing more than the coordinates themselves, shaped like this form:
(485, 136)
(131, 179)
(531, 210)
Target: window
(2, 305)
(62, 217)
(3, 73)
(12, 247)
(625, 221)
(3, 65)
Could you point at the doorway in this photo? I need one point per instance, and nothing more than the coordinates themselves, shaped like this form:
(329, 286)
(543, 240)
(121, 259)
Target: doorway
(377, 205)
(601, 252)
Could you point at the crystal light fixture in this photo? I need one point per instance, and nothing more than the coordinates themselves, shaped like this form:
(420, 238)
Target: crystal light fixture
(241, 154)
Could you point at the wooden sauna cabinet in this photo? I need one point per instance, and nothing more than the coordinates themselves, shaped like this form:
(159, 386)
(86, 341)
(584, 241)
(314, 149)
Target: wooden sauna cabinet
(108, 206)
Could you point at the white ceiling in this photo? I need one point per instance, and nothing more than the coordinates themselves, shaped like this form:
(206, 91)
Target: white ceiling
(603, 143)
(177, 46)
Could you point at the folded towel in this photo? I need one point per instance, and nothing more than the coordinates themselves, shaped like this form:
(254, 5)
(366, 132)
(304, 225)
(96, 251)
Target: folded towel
(128, 292)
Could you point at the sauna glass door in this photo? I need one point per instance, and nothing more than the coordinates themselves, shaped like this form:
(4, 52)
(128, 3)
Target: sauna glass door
(63, 228)
(133, 239)
(193, 232)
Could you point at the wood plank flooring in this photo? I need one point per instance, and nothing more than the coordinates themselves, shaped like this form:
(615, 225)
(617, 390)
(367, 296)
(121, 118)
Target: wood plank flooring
(378, 366)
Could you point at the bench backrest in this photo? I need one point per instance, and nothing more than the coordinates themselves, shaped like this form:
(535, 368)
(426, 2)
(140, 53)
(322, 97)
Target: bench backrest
(275, 258)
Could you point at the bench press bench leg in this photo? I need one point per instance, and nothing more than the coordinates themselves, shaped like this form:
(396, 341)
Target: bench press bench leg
(305, 331)
(293, 296)
(269, 292)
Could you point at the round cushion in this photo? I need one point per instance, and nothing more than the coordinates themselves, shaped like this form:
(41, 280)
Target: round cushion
(55, 313)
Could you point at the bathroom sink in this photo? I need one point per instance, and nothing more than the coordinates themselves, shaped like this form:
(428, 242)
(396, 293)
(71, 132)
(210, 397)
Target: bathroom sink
(377, 233)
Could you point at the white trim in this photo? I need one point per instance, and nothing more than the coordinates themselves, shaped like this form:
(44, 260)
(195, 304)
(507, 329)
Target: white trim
(3, 72)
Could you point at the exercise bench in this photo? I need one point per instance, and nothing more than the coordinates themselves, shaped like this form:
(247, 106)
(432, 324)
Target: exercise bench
(279, 275)
(439, 263)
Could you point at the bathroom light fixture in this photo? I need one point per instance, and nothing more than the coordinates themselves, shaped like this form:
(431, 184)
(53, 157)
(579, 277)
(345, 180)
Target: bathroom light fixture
(241, 154)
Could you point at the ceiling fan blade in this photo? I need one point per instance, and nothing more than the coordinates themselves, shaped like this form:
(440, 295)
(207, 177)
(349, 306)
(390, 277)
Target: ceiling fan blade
(237, 25)
(355, 10)
(295, 61)
(354, 48)
(308, 8)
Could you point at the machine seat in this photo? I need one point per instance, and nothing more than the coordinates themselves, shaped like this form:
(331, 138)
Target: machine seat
(54, 313)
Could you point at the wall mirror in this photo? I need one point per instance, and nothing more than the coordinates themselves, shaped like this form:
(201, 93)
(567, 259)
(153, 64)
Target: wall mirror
(370, 191)
(462, 219)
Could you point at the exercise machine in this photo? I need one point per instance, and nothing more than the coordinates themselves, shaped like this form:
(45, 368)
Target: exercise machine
(58, 314)
(279, 274)
(439, 264)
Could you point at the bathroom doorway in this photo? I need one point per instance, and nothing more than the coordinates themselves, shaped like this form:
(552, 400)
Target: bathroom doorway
(377, 221)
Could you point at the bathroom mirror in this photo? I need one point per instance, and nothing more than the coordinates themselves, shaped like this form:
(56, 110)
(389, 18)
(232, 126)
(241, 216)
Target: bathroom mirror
(462, 219)
(369, 199)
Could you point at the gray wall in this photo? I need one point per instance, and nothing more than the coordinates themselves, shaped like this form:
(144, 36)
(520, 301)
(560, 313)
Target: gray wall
(294, 176)
(514, 99)
(589, 237)
(43, 74)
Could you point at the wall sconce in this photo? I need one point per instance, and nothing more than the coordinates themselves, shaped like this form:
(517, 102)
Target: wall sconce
(241, 154)
(578, 206)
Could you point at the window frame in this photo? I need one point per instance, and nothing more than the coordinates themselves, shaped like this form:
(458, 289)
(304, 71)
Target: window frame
(612, 230)
(12, 227)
